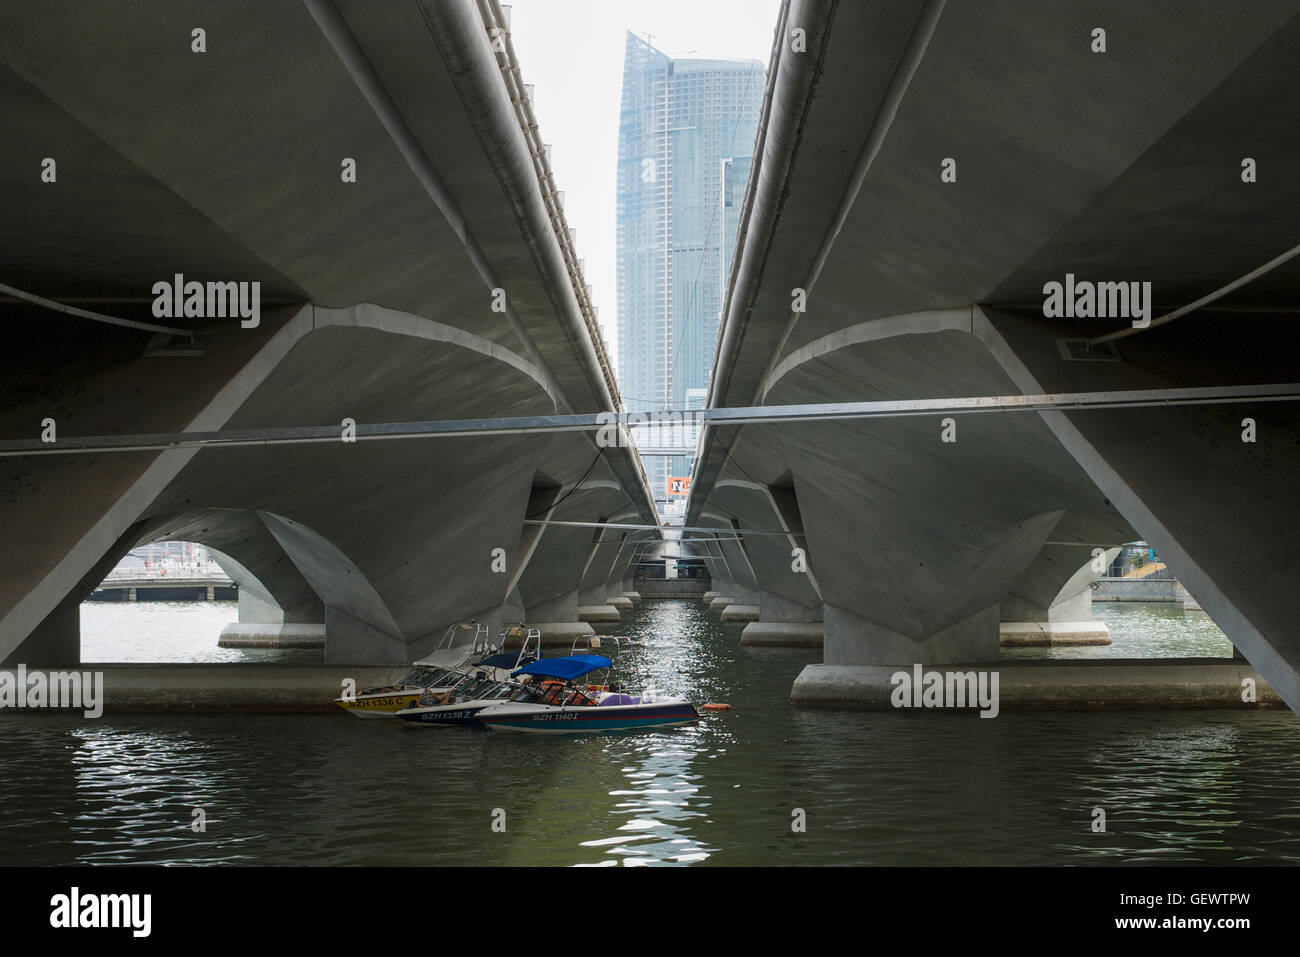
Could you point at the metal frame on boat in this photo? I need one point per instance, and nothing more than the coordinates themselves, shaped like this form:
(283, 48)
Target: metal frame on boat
(481, 684)
(435, 669)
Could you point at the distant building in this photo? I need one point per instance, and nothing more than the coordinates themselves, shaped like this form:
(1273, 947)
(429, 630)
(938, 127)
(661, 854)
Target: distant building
(686, 137)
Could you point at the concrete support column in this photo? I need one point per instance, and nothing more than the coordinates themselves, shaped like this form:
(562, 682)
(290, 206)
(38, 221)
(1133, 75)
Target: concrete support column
(860, 655)
(350, 641)
(624, 589)
(55, 642)
(130, 594)
(1068, 621)
(594, 606)
(559, 621)
(729, 593)
(1050, 601)
(853, 640)
(261, 624)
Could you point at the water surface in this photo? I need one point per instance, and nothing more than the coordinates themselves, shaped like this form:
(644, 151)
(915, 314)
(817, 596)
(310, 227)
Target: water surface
(1215, 787)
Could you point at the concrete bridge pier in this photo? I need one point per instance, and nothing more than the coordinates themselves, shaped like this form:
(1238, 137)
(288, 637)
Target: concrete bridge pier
(595, 606)
(559, 620)
(744, 598)
(261, 624)
(1041, 609)
(627, 589)
(600, 596)
(784, 623)
(262, 621)
(851, 639)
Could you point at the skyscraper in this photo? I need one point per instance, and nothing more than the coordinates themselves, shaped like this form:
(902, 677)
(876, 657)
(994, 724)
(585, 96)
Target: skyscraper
(685, 142)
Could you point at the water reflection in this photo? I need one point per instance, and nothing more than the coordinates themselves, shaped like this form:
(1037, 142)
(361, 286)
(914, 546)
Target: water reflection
(1217, 787)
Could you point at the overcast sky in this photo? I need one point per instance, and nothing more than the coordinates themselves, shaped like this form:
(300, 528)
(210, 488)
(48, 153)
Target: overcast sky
(572, 51)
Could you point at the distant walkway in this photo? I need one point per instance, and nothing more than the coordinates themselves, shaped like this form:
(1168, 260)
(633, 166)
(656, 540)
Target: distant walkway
(206, 582)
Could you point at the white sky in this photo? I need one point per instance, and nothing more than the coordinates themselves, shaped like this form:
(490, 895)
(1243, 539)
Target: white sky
(572, 51)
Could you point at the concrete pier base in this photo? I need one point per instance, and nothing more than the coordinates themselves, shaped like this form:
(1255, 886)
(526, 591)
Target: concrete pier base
(620, 602)
(1029, 634)
(783, 634)
(240, 688)
(633, 596)
(598, 613)
(255, 635)
(708, 596)
(736, 612)
(721, 602)
(1124, 684)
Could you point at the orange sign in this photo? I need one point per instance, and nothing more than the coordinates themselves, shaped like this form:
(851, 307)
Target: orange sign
(679, 486)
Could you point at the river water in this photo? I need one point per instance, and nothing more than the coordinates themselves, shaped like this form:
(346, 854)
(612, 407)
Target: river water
(1212, 787)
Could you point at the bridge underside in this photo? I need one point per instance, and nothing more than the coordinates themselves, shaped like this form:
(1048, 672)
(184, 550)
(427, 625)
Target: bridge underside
(380, 303)
(1125, 166)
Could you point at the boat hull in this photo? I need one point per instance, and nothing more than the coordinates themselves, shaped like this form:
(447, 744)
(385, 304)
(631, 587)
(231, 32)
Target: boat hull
(464, 713)
(549, 719)
(384, 705)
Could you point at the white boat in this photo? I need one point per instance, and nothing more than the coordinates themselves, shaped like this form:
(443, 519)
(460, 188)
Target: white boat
(440, 668)
(553, 701)
(481, 683)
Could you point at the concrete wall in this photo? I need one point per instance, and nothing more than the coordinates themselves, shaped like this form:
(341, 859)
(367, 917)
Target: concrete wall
(672, 588)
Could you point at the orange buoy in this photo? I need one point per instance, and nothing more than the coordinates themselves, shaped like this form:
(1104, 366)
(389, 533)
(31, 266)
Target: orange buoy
(713, 706)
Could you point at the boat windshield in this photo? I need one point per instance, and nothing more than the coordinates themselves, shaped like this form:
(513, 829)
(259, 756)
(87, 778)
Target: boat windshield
(475, 688)
(421, 677)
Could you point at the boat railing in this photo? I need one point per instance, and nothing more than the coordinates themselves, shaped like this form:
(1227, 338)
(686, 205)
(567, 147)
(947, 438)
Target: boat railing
(482, 643)
(449, 637)
(532, 646)
(596, 644)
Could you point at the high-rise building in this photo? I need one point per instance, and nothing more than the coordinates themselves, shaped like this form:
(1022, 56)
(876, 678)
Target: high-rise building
(685, 142)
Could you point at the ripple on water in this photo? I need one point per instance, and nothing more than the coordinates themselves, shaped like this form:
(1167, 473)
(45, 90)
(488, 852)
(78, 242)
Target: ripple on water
(1176, 787)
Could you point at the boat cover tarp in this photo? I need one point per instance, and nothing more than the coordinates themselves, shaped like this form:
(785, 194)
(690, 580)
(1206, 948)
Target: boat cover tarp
(616, 699)
(568, 668)
(505, 660)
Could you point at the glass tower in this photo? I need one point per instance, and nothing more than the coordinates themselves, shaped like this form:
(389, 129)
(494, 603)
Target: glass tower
(685, 141)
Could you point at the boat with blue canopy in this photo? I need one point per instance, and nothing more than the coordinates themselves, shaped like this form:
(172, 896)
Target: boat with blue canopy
(551, 700)
(476, 686)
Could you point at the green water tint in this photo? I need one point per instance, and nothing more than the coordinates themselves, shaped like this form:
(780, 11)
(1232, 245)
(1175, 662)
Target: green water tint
(1212, 787)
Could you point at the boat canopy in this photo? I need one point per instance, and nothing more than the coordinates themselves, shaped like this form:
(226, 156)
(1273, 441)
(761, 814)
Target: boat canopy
(445, 657)
(507, 660)
(574, 666)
